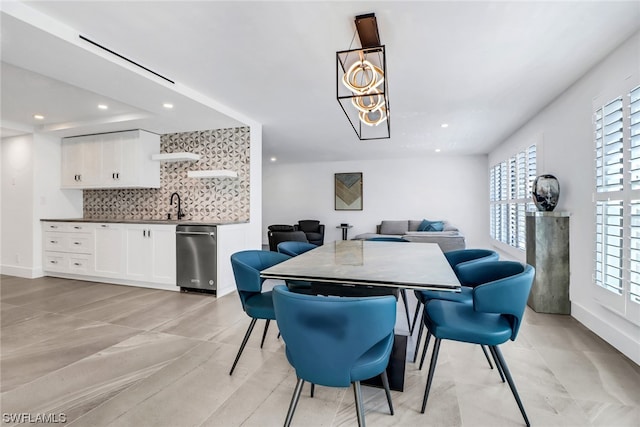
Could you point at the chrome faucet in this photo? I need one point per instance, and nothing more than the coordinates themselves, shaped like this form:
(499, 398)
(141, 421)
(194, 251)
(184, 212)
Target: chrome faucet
(180, 213)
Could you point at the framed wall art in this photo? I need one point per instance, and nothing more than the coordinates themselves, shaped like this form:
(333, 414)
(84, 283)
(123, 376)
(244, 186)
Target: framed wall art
(348, 191)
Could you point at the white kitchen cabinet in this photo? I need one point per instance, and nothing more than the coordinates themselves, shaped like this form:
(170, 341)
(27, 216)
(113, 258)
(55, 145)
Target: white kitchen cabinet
(122, 253)
(111, 160)
(80, 162)
(68, 248)
(151, 253)
(109, 251)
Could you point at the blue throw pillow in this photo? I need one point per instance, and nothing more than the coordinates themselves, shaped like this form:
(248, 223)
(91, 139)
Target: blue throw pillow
(431, 225)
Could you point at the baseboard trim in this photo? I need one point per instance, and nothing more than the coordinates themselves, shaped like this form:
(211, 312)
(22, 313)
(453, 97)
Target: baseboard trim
(24, 272)
(624, 343)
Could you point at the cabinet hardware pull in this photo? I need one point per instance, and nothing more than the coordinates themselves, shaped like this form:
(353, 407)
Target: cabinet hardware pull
(117, 175)
(78, 227)
(144, 233)
(77, 243)
(53, 226)
(54, 241)
(54, 262)
(76, 263)
(104, 225)
(149, 233)
(113, 176)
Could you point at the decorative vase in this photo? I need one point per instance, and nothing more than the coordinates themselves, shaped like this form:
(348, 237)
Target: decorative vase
(545, 192)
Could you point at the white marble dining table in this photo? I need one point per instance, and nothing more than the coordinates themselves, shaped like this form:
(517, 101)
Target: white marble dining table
(408, 265)
(373, 268)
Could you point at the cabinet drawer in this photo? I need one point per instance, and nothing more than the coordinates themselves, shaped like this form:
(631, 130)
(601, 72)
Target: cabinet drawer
(80, 264)
(55, 241)
(55, 261)
(79, 227)
(56, 226)
(81, 243)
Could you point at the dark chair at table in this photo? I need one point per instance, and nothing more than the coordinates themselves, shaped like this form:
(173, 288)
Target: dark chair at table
(257, 304)
(312, 229)
(493, 318)
(336, 341)
(276, 237)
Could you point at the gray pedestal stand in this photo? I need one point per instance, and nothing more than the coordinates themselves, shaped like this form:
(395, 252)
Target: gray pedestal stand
(548, 252)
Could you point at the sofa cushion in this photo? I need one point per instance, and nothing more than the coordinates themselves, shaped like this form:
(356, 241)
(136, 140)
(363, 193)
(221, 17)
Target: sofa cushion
(427, 225)
(394, 227)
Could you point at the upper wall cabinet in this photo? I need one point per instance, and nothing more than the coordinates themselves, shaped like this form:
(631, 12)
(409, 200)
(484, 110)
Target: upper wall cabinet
(111, 160)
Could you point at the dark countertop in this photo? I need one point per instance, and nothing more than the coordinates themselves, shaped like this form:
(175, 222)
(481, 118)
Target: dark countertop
(143, 221)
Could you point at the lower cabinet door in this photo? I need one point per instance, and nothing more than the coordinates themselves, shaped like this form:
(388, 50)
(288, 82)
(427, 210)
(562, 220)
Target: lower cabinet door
(138, 252)
(109, 250)
(163, 263)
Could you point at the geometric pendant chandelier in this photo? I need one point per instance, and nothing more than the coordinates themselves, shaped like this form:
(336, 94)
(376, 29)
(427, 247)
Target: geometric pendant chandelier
(361, 83)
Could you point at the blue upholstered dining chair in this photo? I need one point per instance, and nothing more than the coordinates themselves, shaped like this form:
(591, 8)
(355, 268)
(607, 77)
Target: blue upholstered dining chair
(257, 304)
(403, 292)
(293, 248)
(494, 317)
(462, 258)
(336, 341)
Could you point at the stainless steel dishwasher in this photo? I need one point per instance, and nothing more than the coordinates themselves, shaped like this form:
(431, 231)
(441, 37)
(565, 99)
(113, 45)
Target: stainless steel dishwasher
(196, 251)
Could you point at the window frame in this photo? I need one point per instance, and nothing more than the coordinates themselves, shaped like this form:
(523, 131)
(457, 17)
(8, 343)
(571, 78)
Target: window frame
(510, 181)
(629, 200)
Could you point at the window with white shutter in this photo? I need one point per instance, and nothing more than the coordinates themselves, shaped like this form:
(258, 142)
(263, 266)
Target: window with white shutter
(510, 196)
(617, 204)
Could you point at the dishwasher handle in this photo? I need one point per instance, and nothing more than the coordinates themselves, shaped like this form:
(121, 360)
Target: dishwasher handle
(201, 233)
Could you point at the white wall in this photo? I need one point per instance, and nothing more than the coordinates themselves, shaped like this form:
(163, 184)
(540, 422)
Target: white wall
(439, 187)
(565, 127)
(17, 205)
(31, 191)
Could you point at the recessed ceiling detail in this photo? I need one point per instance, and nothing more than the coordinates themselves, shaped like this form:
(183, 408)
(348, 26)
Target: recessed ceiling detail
(126, 59)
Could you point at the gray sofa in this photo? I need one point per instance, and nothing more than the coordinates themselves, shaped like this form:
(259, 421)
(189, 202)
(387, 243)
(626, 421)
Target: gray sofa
(449, 239)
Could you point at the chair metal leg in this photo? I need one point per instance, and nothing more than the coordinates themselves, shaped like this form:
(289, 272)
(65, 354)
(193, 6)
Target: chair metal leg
(424, 351)
(403, 293)
(415, 317)
(294, 402)
(244, 342)
(420, 331)
(313, 389)
(387, 390)
(432, 369)
(359, 409)
(495, 359)
(512, 385)
(264, 334)
(486, 355)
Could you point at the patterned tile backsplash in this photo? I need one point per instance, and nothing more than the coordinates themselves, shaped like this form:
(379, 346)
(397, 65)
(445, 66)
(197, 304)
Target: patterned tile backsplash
(215, 200)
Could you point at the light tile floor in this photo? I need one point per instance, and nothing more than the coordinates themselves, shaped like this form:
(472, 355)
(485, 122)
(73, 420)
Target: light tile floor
(107, 355)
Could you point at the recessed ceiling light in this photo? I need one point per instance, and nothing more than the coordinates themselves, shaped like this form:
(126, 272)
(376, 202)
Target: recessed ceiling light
(38, 116)
(444, 125)
(438, 150)
(167, 105)
(273, 159)
(103, 106)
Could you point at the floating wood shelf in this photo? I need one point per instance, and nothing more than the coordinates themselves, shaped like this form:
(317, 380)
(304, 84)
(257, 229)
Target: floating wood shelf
(176, 157)
(219, 173)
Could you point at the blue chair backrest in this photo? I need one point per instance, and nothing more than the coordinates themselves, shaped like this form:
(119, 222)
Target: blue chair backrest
(387, 239)
(505, 289)
(246, 270)
(468, 255)
(295, 248)
(324, 336)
